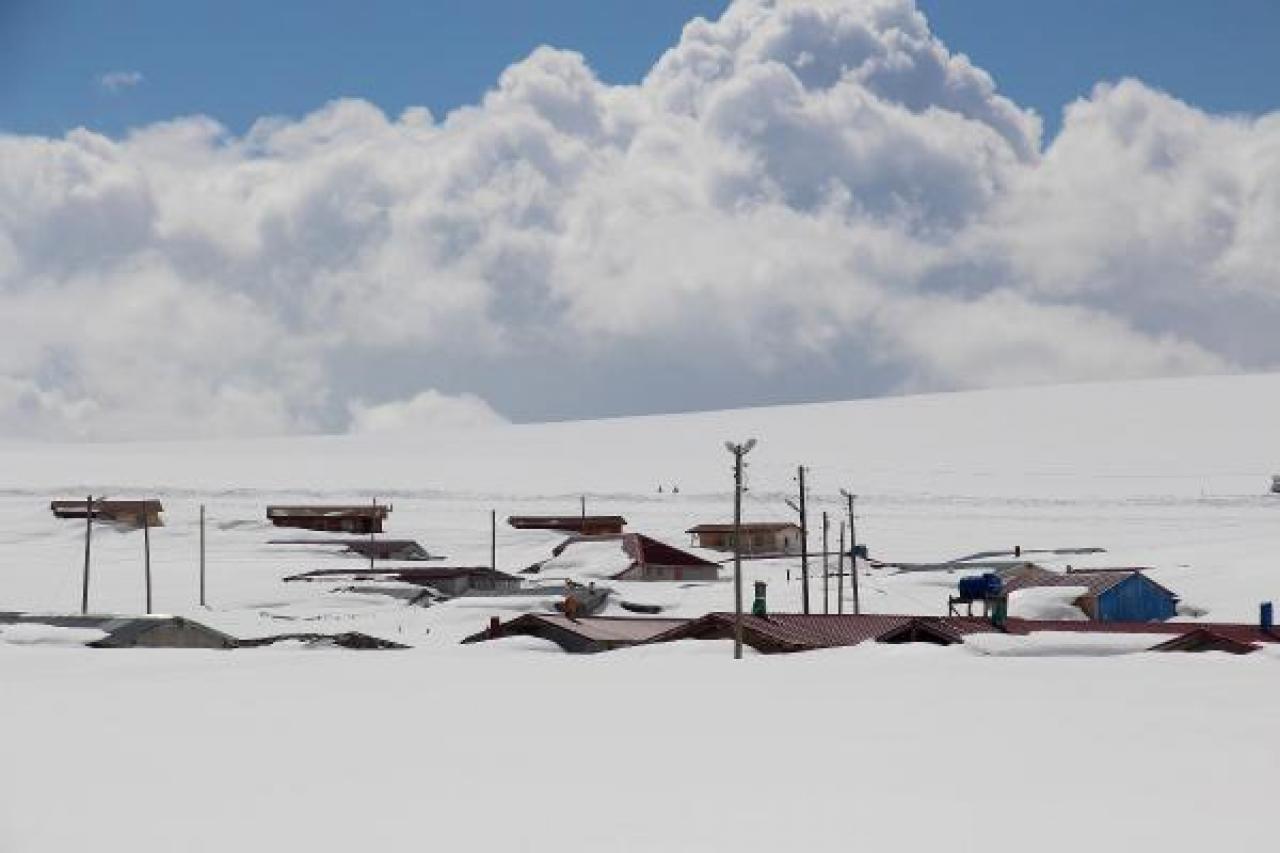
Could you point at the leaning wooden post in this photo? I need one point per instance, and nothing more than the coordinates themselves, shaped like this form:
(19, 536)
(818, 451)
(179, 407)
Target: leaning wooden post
(88, 541)
(146, 550)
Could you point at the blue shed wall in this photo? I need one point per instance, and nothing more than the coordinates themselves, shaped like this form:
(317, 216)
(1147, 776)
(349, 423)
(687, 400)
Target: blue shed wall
(1136, 599)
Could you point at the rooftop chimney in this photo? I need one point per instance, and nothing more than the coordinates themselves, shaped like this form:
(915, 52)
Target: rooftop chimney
(759, 607)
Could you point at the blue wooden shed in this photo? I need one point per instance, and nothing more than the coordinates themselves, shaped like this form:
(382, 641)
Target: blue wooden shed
(1127, 597)
(1111, 595)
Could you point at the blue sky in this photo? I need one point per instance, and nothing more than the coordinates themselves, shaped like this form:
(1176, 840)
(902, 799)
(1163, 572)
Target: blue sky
(237, 60)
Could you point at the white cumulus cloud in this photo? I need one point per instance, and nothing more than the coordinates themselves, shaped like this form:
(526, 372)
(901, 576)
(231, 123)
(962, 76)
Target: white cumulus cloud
(804, 199)
(426, 411)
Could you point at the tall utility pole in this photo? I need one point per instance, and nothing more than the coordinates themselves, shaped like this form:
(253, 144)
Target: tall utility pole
(373, 526)
(853, 549)
(88, 541)
(826, 564)
(738, 451)
(146, 552)
(804, 542)
(202, 604)
(840, 574)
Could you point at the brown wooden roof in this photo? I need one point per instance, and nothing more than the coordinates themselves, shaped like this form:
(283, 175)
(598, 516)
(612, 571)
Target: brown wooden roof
(748, 526)
(329, 511)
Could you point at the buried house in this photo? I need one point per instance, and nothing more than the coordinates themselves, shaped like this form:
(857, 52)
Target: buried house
(794, 632)
(583, 635)
(1109, 595)
(132, 632)
(638, 558)
(357, 518)
(582, 525)
(759, 538)
(136, 513)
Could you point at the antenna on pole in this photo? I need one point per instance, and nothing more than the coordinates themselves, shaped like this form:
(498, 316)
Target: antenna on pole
(738, 451)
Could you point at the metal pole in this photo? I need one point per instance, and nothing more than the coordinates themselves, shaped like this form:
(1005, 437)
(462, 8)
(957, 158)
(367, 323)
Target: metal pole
(146, 551)
(202, 604)
(88, 541)
(737, 552)
(826, 563)
(804, 544)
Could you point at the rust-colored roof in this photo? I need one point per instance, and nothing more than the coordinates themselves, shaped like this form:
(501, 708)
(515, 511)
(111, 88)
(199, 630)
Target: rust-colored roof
(74, 508)
(794, 632)
(1094, 581)
(1204, 640)
(609, 630)
(1238, 631)
(564, 522)
(335, 511)
(749, 526)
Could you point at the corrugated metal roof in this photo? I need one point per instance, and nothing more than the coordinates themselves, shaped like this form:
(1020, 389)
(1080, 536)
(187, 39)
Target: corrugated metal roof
(752, 526)
(612, 630)
(799, 632)
(564, 522)
(332, 511)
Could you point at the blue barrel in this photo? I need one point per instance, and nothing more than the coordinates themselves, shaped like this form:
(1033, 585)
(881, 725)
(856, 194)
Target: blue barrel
(978, 587)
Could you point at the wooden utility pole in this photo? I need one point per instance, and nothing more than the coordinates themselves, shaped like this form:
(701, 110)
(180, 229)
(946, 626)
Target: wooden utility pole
(493, 539)
(202, 602)
(88, 542)
(146, 552)
(738, 451)
(826, 563)
(853, 550)
(373, 526)
(840, 573)
(804, 542)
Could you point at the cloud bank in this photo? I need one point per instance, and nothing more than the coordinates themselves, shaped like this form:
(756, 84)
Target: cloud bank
(801, 200)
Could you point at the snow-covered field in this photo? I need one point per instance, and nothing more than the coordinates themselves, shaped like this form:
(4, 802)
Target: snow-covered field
(670, 748)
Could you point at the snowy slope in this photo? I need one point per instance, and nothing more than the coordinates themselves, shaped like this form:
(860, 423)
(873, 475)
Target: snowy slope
(824, 751)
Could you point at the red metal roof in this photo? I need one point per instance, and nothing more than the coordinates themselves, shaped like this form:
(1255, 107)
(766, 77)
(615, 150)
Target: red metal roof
(790, 632)
(1094, 581)
(750, 526)
(319, 511)
(611, 631)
